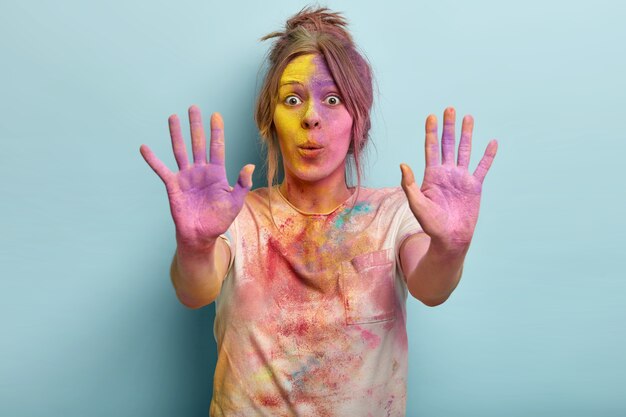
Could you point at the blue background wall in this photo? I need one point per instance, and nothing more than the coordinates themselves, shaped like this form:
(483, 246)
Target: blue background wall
(90, 322)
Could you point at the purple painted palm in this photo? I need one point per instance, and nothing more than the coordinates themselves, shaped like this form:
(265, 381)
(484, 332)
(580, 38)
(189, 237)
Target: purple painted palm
(202, 203)
(448, 201)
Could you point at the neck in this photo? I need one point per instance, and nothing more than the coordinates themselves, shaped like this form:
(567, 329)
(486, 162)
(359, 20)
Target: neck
(320, 196)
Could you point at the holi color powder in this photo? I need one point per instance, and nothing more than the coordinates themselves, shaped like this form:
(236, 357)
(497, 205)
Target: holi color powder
(311, 318)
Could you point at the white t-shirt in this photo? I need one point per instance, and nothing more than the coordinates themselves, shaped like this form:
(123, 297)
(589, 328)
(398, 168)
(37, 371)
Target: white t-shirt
(311, 317)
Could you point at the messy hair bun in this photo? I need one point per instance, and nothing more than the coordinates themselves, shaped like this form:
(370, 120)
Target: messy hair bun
(320, 20)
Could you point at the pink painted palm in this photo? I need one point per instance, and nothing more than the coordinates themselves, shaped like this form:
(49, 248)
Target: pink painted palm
(448, 201)
(202, 203)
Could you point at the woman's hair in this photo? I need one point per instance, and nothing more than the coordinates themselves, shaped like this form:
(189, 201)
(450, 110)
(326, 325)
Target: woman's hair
(317, 31)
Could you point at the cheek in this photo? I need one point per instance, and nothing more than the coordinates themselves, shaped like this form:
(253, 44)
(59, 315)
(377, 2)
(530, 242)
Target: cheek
(342, 125)
(285, 122)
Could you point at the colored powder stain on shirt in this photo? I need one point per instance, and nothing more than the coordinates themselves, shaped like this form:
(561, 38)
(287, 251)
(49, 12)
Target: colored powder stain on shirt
(270, 400)
(359, 208)
(263, 375)
(299, 376)
(310, 319)
(372, 340)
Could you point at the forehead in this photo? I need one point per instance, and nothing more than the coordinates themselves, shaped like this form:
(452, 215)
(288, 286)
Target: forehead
(307, 68)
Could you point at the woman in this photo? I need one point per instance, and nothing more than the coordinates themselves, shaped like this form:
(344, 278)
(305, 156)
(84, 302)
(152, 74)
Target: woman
(310, 277)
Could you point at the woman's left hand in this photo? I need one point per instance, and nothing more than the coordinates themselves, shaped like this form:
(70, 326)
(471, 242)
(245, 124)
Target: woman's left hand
(447, 204)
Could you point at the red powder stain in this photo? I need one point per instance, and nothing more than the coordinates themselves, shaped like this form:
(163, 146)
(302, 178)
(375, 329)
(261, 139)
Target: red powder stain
(270, 400)
(297, 328)
(302, 328)
(370, 338)
(288, 222)
(274, 258)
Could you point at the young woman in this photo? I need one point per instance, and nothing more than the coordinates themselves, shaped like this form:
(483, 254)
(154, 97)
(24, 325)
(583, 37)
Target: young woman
(311, 276)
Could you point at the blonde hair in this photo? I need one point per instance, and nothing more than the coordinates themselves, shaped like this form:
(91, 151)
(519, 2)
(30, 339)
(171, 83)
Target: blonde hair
(317, 31)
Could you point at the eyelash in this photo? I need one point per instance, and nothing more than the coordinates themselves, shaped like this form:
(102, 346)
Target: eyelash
(332, 95)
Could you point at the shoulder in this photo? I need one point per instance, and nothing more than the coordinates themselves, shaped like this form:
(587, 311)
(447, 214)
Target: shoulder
(391, 192)
(390, 197)
(261, 191)
(256, 197)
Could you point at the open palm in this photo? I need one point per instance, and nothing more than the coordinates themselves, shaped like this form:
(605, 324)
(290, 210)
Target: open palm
(202, 203)
(448, 202)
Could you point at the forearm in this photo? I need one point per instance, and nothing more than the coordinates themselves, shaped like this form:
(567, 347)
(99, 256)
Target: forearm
(437, 274)
(197, 273)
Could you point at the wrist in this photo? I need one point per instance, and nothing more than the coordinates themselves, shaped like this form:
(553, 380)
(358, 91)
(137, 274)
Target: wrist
(448, 250)
(193, 246)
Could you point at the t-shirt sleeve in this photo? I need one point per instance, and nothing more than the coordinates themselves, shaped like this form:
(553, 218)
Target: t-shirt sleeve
(230, 237)
(407, 226)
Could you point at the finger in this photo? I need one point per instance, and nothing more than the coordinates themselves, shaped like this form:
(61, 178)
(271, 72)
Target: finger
(244, 182)
(217, 139)
(413, 192)
(485, 162)
(198, 140)
(431, 145)
(447, 138)
(157, 166)
(465, 145)
(178, 143)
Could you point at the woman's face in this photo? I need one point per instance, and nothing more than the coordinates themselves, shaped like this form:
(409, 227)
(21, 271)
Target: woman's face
(311, 120)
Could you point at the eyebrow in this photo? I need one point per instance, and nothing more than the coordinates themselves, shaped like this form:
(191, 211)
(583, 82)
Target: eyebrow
(323, 83)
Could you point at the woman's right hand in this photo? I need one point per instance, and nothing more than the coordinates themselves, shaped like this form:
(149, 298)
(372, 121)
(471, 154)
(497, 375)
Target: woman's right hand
(202, 203)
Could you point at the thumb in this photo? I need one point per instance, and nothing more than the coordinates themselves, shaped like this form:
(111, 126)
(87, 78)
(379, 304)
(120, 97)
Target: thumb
(412, 191)
(244, 182)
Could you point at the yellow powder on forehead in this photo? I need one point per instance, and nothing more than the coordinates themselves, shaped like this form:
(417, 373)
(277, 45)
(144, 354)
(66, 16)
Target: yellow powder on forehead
(303, 65)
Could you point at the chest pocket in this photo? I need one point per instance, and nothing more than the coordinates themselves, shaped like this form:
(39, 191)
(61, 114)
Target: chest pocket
(367, 285)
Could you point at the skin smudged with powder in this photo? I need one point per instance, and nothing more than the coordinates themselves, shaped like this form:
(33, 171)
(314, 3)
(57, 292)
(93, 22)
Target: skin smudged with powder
(310, 114)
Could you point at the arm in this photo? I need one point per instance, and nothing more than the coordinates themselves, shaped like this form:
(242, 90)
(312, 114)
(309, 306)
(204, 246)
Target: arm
(446, 206)
(203, 206)
(197, 274)
(432, 273)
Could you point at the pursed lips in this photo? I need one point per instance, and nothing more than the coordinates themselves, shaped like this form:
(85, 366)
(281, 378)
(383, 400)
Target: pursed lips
(310, 145)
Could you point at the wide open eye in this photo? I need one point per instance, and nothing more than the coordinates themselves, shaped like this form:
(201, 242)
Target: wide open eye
(292, 100)
(333, 100)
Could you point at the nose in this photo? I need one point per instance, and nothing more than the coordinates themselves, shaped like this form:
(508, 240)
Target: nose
(311, 119)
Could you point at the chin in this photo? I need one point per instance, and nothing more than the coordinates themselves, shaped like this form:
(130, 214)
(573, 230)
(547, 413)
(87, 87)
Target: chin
(310, 176)
(312, 173)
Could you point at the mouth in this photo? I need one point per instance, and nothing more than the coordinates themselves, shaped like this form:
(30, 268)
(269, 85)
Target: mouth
(310, 145)
(310, 152)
